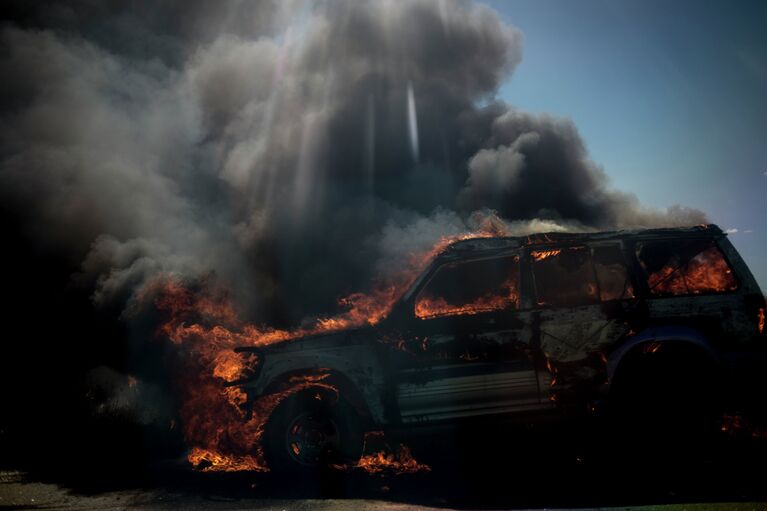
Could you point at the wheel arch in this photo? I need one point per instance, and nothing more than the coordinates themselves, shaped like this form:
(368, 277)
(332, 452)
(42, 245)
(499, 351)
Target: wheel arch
(684, 337)
(335, 378)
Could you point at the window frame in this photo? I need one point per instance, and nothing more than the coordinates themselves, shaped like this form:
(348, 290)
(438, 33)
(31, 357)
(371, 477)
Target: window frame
(438, 267)
(618, 244)
(535, 304)
(628, 264)
(648, 290)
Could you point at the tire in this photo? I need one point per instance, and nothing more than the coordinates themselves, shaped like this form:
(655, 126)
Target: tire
(666, 405)
(311, 431)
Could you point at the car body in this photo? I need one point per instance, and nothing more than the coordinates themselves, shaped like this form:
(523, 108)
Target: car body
(539, 325)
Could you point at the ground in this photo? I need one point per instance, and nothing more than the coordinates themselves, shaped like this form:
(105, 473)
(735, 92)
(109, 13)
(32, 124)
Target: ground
(17, 492)
(733, 477)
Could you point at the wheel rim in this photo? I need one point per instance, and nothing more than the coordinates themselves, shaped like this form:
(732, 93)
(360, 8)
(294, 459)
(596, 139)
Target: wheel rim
(310, 437)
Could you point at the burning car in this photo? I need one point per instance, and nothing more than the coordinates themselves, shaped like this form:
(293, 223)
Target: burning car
(549, 325)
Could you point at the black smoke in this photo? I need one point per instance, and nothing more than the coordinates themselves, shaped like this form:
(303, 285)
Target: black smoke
(295, 150)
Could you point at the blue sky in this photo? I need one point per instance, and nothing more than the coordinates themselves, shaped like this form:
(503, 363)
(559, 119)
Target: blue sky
(670, 97)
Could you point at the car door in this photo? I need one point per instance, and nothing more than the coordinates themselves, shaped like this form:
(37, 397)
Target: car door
(580, 298)
(469, 350)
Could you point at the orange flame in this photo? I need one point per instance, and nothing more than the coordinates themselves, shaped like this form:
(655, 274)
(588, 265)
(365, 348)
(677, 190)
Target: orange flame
(705, 273)
(212, 461)
(222, 434)
(383, 460)
(737, 425)
(430, 307)
(540, 255)
(402, 462)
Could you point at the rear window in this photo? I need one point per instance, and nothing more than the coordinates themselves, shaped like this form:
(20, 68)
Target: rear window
(471, 287)
(687, 267)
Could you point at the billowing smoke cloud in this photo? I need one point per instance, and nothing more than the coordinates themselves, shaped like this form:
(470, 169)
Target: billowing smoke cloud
(291, 148)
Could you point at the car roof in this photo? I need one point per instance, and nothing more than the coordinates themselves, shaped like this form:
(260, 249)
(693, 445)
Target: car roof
(487, 245)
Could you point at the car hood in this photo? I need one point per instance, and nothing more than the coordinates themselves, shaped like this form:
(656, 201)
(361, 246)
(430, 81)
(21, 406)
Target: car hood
(320, 340)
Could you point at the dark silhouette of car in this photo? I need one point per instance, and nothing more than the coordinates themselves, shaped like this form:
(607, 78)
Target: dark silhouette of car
(661, 328)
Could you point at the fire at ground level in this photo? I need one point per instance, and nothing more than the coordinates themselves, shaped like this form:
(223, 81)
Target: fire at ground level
(526, 469)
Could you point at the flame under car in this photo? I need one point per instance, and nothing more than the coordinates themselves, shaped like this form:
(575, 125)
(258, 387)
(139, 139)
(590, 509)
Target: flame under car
(638, 323)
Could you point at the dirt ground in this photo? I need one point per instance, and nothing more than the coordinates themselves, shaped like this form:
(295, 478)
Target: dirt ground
(17, 491)
(536, 473)
(736, 483)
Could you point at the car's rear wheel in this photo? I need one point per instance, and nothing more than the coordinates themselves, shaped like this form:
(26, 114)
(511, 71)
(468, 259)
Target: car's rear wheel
(666, 401)
(310, 431)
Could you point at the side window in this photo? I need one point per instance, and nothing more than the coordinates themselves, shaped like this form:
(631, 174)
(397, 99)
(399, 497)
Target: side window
(564, 277)
(688, 267)
(470, 288)
(612, 275)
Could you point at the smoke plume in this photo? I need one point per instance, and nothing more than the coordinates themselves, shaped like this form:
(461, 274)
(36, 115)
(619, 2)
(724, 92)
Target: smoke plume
(293, 149)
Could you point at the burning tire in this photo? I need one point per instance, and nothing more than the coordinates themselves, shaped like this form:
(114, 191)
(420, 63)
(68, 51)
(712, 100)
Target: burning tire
(310, 431)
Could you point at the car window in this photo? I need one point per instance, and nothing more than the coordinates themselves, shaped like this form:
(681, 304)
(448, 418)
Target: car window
(612, 275)
(688, 267)
(564, 277)
(471, 287)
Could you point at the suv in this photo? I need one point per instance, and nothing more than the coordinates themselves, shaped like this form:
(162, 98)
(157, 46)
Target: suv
(639, 323)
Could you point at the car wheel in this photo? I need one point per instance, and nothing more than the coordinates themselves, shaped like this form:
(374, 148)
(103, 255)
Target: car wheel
(310, 431)
(667, 405)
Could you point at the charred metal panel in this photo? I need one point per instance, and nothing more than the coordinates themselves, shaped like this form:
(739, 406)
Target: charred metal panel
(569, 338)
(482, 393)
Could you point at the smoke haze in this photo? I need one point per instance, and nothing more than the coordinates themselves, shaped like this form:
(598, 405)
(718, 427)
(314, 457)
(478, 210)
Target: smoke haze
(294, 151)
(291, 151)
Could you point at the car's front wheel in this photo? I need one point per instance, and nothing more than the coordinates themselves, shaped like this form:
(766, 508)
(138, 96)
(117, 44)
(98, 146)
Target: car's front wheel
(310, 431)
